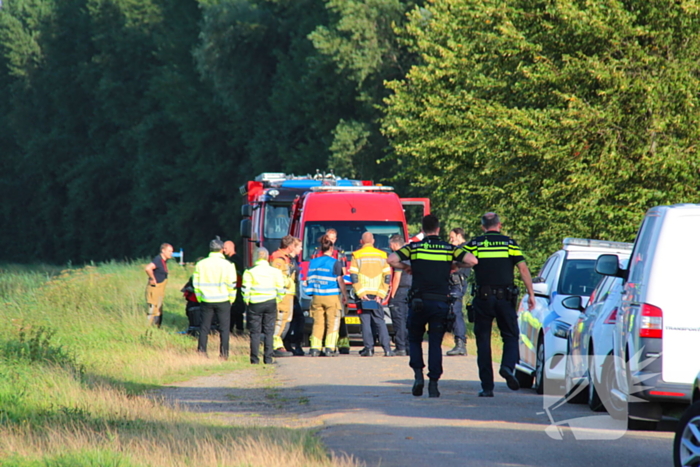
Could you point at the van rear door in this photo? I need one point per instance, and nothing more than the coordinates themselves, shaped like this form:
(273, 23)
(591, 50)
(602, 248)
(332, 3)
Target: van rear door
(672, 286)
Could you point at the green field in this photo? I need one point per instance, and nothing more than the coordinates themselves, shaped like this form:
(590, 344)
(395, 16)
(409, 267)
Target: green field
(77, 357)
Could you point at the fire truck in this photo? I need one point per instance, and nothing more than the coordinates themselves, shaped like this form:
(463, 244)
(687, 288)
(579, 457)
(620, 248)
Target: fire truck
(267, 207)
(351, 211)
(277, 204)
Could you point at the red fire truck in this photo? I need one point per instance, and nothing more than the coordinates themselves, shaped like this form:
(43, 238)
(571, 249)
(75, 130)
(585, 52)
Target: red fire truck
(267, 206)
(351, 211)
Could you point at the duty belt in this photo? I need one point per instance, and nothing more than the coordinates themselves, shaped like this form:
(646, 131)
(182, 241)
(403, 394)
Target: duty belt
(501, 292)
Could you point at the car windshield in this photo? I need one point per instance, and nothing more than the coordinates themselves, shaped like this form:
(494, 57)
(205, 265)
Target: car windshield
(578, 277)
(349, 235)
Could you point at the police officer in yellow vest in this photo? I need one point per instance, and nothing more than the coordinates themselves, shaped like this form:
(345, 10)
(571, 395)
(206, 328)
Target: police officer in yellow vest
(495, 298)
(371, 277)
(214, 283)
(263, 288)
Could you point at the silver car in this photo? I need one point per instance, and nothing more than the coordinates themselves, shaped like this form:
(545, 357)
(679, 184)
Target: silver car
(589, 367)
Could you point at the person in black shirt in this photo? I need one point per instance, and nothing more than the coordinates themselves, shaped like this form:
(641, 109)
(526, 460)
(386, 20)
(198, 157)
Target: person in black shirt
(496, 297)
(157, 272)
(431, 262)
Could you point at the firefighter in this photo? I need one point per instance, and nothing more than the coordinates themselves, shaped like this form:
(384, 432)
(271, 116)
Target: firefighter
(263, 288)
(325, 284)
(458, 287)
(371, 275)
(283, 259)
(157, 272)
(495, 297)
(214, 282)
(431, 262)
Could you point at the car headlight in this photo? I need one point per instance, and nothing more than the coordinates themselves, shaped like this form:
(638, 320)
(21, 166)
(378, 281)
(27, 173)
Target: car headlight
(561, 330)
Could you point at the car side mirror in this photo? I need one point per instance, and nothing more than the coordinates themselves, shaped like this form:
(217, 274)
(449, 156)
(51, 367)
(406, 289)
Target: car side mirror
(609, 265)
(573, 303)
(537, 280)
(541, 288)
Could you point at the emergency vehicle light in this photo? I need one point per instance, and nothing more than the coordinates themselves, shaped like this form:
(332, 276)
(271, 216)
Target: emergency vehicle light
(352, 188)
(568, 241)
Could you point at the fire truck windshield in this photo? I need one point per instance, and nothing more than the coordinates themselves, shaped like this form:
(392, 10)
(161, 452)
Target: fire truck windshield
(276, 222)
(349, 235)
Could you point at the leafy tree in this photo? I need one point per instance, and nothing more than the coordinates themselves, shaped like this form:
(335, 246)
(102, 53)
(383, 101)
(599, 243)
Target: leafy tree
(568, 117)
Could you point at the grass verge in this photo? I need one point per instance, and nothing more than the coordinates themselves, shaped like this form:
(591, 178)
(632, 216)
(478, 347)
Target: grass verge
(76, 357)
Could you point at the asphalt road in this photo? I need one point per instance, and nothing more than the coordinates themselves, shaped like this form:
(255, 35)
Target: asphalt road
(368, 411)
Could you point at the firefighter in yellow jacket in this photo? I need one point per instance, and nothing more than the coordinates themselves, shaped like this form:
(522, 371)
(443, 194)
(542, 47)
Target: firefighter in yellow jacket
(371, 276)
(283, 259)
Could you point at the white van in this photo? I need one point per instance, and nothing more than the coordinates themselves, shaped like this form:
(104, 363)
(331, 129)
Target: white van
(656, 342)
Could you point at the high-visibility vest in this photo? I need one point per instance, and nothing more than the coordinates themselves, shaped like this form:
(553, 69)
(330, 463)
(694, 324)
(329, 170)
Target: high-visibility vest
(320, 279)
(262, 282)
(214, 279)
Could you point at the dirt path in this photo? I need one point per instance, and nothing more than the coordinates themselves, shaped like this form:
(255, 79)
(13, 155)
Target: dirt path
(363, 407)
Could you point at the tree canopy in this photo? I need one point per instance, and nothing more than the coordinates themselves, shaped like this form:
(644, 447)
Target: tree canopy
(128, 123)
(568, 117)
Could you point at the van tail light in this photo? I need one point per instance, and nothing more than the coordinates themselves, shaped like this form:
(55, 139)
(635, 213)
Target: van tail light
(651, 324)
(613, 317)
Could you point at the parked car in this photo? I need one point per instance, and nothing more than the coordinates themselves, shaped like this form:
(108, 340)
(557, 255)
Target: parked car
(686, 443)
(544, 330)
(657, 335)
(590, 342)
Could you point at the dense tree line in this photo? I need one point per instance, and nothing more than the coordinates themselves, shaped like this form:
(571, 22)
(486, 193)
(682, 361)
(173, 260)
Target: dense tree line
(125, 123)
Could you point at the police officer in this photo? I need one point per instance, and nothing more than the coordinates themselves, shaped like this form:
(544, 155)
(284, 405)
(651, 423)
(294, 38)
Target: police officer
(263, 288)
(458, 287)
(495, 297)
(431, 262)
(398, 302)
(214, 283)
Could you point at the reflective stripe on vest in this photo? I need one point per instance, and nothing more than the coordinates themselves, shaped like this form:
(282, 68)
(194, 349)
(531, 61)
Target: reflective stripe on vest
(320, 279)
(214, 279)
(262, 282)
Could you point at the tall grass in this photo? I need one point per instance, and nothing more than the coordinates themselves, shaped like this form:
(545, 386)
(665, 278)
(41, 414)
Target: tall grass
(76, 355)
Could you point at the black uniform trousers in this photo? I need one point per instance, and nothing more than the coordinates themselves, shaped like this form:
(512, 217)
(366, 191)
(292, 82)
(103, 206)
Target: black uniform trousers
(507, 320)
(261, 318)
(223, 313)
(237, 313)
(399, 314)
(373, 322)
(433, 315)
(295, 335)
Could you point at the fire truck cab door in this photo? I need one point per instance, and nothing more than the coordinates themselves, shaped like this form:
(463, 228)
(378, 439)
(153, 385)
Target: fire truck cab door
(425, 202)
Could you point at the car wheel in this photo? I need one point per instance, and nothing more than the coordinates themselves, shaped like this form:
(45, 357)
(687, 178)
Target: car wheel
(686, 444)
(525, 380)
(540, 376)
(575, 393)
(616, 408)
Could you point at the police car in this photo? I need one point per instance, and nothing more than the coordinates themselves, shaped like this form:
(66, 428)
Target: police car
(544, 330)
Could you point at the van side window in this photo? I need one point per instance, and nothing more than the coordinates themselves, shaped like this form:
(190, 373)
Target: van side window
(641, 252)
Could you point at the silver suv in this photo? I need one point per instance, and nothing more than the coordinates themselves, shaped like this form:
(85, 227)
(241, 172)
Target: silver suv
(544, 330)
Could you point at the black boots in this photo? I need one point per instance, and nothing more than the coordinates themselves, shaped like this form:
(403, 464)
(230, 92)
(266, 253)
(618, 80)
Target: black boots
(460, 348)
(418, 383)
(433, 388)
